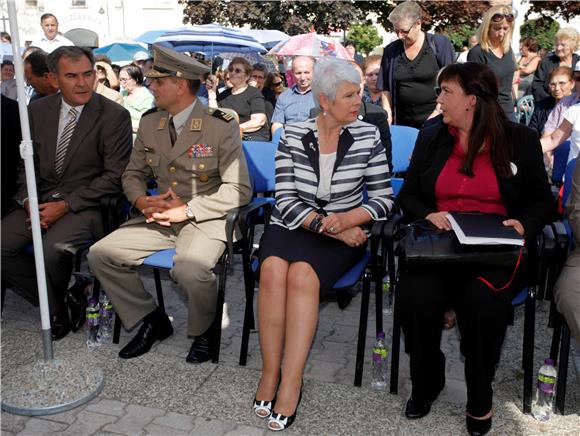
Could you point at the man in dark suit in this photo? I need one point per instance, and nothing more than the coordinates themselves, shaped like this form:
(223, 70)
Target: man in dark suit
(82, 143)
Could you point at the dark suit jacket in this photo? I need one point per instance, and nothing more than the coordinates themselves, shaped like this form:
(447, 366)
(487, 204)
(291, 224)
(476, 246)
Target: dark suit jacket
(96, 156)
(11, 137)
(526, 196)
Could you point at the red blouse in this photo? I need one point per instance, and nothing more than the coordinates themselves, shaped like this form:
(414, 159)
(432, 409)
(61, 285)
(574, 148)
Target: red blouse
(457, 192)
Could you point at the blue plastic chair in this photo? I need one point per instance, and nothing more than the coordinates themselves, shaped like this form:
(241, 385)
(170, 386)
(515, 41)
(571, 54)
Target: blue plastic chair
(163, 260)
(403, 139)
(560, 162)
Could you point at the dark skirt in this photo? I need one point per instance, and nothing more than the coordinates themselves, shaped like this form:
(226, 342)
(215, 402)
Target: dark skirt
(329, 257)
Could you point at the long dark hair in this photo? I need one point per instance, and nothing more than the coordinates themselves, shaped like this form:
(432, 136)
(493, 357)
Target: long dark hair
(489, 119)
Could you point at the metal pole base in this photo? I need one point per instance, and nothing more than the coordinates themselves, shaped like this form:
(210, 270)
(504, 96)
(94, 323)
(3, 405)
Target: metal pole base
(46, 387)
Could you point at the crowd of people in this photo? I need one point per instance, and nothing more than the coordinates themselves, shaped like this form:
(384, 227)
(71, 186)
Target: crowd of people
(169, 118)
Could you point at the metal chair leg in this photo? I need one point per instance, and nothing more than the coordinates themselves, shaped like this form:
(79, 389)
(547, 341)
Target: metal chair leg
(362, 329)
(217, 327)
(528, 352)
(396, 344)
(563, 369)
(159, 289)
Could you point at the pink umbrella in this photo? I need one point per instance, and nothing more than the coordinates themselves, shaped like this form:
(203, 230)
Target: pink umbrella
(310, 44)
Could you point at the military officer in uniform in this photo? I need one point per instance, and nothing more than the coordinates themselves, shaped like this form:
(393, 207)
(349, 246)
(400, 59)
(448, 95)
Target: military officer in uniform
(195, 155)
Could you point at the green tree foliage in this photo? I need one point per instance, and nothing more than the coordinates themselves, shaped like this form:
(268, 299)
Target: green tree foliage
(459, 35)
(290, 16)
(543, 30)
(365, 36)
(565, 9)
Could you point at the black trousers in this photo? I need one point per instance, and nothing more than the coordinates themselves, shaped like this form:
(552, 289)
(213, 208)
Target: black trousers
(60, 243)
(482, 317)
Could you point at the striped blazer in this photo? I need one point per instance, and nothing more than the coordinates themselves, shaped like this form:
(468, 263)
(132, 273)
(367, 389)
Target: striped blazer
(360, 163)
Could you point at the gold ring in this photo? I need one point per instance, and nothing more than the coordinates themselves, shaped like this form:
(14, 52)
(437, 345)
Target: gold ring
(332, 229)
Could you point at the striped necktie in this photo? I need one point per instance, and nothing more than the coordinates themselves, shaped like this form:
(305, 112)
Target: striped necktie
(64, 140)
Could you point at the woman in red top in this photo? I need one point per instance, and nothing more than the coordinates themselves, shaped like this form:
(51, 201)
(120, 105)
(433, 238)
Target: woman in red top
(475, 160)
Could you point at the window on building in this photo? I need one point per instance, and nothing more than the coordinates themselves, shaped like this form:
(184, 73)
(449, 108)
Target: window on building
(81, 3)
(31, 2)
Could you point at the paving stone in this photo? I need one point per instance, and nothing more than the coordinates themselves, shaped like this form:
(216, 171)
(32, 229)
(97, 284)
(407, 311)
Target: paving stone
(161, 430)
(12, 423)
(107, 406)
(135, 420)
(175, 420)
(247, 431)
(89, 423)
(37, 426)
(207, 426)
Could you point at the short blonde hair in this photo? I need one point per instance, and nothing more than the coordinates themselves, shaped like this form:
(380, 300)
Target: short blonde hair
(570, 34)
(484, 40)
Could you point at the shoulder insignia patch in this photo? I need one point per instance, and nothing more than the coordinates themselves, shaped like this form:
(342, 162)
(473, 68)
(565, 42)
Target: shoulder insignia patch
(220, 115)
(150, 111)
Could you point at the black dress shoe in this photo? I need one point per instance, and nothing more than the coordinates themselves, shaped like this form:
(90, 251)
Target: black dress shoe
(477, 427)
(416, 410)
(200, 350)
(148, 334)
(59, 325)
(76, 299)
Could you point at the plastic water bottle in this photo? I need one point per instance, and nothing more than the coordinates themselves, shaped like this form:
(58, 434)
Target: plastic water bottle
(387, 295)
(542, 406)
(106, 318)
(379, 364)
(93, 318)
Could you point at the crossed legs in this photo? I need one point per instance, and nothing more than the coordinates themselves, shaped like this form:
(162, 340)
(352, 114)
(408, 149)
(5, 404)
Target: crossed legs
(287, 318)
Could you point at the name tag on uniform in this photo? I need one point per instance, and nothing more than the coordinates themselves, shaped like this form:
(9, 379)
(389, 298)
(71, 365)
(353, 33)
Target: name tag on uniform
(162, 122)
(200, 150)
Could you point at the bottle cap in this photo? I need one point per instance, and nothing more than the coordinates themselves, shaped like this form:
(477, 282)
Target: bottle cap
(381, 335)
(549, 362)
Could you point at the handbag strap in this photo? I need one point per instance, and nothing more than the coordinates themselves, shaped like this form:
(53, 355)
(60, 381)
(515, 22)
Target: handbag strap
(507, 285)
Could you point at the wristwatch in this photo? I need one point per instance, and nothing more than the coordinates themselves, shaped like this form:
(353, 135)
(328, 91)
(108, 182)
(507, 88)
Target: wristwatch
(188, 212)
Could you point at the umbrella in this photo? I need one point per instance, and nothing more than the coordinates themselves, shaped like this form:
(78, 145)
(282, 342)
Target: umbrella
(150, 36)
(310, 44)
(268, 38)
(253, 58)
(121, 51)
(211, 39)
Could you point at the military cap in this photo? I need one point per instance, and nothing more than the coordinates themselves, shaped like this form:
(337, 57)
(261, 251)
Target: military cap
(169, 63)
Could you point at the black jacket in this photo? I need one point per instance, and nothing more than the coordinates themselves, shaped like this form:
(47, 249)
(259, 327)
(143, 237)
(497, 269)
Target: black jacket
(526, 196)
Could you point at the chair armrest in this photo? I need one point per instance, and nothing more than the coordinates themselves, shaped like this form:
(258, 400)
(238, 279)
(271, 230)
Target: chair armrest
(113, 211)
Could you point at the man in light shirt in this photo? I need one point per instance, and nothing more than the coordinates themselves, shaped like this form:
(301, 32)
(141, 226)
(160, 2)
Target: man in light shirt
(51, 40)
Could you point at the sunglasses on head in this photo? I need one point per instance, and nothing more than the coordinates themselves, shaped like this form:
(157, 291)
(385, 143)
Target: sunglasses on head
(496, 18)
(235, 70)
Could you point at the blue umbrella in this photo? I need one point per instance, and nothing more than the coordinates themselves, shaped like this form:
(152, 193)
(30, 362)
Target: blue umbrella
(150, 36)
(268, 38)
(210, 39)
(120, 51)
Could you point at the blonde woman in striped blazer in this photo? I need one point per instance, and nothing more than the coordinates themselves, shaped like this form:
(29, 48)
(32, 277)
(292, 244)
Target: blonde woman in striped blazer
(323, 166)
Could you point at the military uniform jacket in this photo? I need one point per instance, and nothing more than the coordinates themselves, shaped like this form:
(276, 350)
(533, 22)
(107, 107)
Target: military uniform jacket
(206, 167)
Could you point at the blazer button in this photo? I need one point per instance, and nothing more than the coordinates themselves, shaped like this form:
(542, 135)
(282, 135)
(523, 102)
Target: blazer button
(174, 184)
(203, 178)
(201, 167)
(172, 169)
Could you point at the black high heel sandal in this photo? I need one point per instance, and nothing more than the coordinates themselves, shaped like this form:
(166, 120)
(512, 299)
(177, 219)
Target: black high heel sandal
(282, 422)
(477, 427)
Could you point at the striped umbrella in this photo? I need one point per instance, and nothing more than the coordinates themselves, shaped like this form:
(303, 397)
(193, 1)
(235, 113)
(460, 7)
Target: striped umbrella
(209, 39)
(310, 44)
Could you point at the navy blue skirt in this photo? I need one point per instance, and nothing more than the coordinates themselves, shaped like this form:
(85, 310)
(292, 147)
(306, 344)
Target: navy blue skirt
(329, 257)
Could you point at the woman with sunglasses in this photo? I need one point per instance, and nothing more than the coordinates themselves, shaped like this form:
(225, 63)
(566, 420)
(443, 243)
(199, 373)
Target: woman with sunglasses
(275, 83)
(410, 66)
(494, 49)
(566, 42)
(246, 100)
(475, 160)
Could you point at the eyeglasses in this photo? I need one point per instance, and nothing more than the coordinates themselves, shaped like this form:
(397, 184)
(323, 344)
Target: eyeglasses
(556, 84)
(235, 70)
(277, 83)
(403, 32)
(437, 90)
(496, 18)
(124, 79)
(257, 76)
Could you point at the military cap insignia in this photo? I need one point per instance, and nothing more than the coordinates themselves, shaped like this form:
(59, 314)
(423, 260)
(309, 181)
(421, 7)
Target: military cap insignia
(221, 115)
(162, 122)
(196, 125)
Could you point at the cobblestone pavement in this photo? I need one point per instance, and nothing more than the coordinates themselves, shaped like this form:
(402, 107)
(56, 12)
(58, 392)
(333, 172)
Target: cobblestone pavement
(160, 394)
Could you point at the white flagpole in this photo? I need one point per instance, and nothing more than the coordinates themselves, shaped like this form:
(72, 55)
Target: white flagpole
(27, 154)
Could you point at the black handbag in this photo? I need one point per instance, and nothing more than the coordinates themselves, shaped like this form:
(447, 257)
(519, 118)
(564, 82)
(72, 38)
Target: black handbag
(424, 244)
